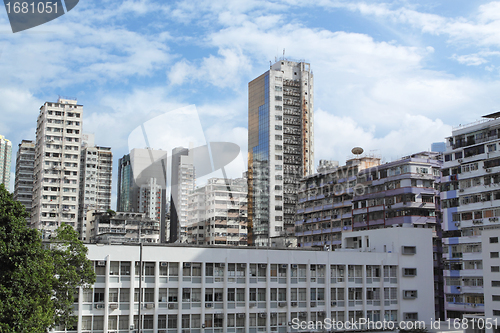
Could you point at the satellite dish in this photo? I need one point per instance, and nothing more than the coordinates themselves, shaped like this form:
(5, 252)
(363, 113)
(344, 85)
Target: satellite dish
(357, 150)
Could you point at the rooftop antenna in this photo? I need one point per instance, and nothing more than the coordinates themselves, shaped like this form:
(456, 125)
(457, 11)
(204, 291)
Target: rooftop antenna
(283, 54)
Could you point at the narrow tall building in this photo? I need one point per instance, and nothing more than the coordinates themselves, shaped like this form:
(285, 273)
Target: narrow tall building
(470, 201)
(5, 159)
(125, 184)
(57, 166)
(96, 164)
(182, 185)
(280, 147)
(23, 188)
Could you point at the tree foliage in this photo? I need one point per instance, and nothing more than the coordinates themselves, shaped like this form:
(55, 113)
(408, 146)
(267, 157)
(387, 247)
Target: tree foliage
(38, 283)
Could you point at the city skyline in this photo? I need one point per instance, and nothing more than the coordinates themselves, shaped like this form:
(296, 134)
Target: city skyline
(390, 73)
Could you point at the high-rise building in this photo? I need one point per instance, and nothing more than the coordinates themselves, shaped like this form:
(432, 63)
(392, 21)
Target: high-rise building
(23, 188)
(280, 147)
(218, 213)
(57, 166)
(95, 180)
(182, 185)
(470, 201)
(125, 184)
(142, 184)
(5, 158)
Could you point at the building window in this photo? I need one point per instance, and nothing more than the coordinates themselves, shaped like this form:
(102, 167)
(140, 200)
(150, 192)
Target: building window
(495, 269)
(409, 272)
(493, 240)
(493, 254)
(409, 249)
(409, 294)
(495, 283)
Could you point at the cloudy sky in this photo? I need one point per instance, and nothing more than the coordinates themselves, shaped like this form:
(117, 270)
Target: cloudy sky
(391, 77)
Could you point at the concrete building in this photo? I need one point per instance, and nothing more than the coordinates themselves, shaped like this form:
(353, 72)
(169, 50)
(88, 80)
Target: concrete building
(96, 165)
(217, 213)
(363, 195)
(182, 186)
(23, 188)
(121, 228)
(280, 147)
(491, 277)
(5, 161)
(57, 166)
(378, 275)
(470, 201)
(324, 208)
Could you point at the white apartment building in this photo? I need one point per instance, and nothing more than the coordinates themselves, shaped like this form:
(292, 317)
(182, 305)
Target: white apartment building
(280, 147)
(5, 160)
(23, 188)
(491, 275)
(57, 166)
(470, 201)
(95, 180)
(217, 213)
(150, 198)
(378, 275)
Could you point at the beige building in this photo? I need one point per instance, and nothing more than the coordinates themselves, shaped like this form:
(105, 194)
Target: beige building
(5, 160)
(23, 188)
(218, 213)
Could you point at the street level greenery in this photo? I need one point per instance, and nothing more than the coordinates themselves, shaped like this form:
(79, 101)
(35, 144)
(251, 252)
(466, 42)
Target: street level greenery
(39, 281)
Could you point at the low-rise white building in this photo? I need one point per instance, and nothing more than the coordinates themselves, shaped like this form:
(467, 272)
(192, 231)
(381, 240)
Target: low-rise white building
(379, 275)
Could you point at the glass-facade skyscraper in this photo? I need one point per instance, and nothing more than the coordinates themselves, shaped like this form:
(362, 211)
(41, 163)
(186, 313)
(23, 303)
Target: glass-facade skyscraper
(280, 147)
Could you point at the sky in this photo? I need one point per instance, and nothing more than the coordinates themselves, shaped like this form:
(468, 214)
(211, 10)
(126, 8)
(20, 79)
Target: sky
(390, 77)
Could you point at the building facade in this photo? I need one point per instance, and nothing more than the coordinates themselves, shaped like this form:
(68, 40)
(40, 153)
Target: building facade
(121, 228)
(57, 166)
(378, 275)
(125, 184)
(182, 186)
(5, 161)
(96, 165)
(280, 147)
(470, 201)
(23, 188)
(218, 213)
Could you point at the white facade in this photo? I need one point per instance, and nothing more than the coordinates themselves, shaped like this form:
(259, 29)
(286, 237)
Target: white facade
(470, 201)
(23, 188)
(95, 181)
(218, 213)
(381, 274)
(5, 160)
(150, 196)
(57, 166)
(491, 273)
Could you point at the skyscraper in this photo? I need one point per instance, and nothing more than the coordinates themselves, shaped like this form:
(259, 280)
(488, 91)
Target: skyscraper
(182, 185)
(5, 158)
(95, 180)
(23, 188)
(280, 147)
(57, 165)
(125, 184)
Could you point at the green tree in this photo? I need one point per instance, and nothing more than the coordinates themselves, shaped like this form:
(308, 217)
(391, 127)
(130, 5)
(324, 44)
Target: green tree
(37, 282)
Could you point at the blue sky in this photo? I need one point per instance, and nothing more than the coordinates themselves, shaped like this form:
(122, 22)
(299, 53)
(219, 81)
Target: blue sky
(391, 77)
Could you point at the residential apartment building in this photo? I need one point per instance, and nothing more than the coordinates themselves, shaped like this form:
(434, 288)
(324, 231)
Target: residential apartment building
(182, 186)
(324, 208)
(364, 195)
(23, 188)
(491, 278)
(280, 147)
(57, 166)
(121, 228)
(5, 160)
(217, 213)
(470, 201)
(96, 165)
(377, 275)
